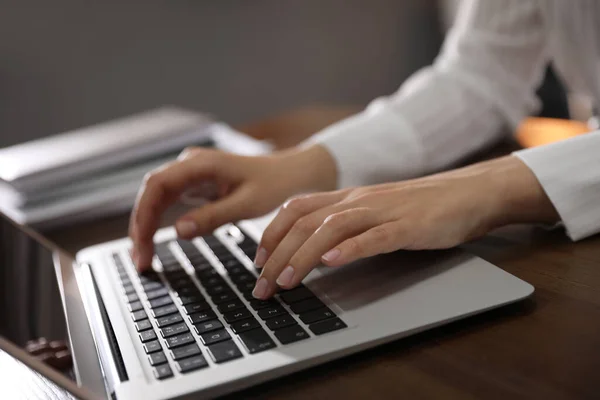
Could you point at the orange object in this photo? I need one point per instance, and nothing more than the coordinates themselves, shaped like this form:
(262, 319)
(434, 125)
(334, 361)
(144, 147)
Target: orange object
(539, 131)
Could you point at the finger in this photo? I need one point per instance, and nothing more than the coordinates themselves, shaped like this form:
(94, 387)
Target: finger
(204, 220)
(291, 211)
(335, 229)
(380, 239)
(160, 190)
(300, 231)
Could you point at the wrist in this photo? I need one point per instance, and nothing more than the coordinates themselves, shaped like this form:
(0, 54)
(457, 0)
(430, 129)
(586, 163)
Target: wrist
(309, 169)
(517, 195)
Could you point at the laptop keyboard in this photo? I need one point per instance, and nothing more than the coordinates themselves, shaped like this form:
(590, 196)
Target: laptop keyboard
(180, 325)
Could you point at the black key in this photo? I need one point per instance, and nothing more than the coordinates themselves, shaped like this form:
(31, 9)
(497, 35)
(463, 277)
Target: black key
(143, 325)
(166, 310)
(223, 297)
(188, 291)
(224, 351)
(233, 266)
(163, 372)
(329, 325)
(132, 297)
(198, 317)
(291, 334)
(230, 305)
(168, 320)
(152, 285)
(257, 340)
(146, 336)
(191, 364)
(135, 306)
(208, 326)
(152, 346)
(281, 322)
(271, 312)
(218, 289)
(317, 315)
(207, 271)
(129, 289)
(125, 281)
(296, 295)
(214, 337)
(246, 286)
(180, 340)
(245, 325)
(185, 351)
(174, 275)
(173, 330)
(240, 279)
(194, 298)
(171, 266)
(155, 294)
(138, 315)
(180, 283)
(248, 295)
(258, 304)
(213, 281)
(196, 307)
(237, 315)
(157, 358)
(306, 305)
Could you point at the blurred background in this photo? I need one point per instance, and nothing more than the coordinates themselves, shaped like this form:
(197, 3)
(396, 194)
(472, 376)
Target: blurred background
(66, 64)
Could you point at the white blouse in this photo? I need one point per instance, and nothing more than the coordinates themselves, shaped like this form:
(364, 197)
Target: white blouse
(482, 82)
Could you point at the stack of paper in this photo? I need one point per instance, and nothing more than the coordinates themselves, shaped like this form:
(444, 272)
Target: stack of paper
(97, 171)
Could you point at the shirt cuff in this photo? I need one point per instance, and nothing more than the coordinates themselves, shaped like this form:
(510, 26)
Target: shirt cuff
(372, 147)
(569, 172)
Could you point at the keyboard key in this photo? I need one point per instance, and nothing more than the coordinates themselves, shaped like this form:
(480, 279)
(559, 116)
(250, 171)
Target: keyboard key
(224, 351)
(160, 302)
(205, 273)
(329, 325)
(271, 312)
(214, 337)
(306, 305)
(246, 286)
(128, 289)
(256, 340)
(195, 298)
(135, 306)
(166, 310)
(240, 279)
(296, 295)
(180, 340)
(230, 305)
(182, 282)
(258, 304)
(208, 326)
(196, 307)
(245, 325)
(146, 336)
(163, 372)
(188, 291)
(157, 358)
(317, 315)
(173, 275)
(291, 334)
(234, 267)
(155, 294)
(152, 346)
(191, 364)
(152, 285)
(185, 351)
(223, 297)
(173, 330)
(168, 320)
(281, 322)
(217, 289)
(237, 315)
(138, 315)
(198, 317)
(143, 325)
(132, 297)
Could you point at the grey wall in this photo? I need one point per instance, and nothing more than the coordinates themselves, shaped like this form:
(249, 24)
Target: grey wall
(65, 64)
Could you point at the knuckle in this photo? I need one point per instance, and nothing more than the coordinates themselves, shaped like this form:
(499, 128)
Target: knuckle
(338, 220)
(355, 246)
(296, 204)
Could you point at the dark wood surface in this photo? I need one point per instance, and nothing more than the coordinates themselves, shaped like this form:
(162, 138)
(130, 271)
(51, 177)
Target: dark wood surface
(547, 347)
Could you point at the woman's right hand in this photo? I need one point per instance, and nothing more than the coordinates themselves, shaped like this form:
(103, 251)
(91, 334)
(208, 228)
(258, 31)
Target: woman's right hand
(247, 187)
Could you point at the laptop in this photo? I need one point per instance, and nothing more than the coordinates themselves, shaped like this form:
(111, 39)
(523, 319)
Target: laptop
(190, 328)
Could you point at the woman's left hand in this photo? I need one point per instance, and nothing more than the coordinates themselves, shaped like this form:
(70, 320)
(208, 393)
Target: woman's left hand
(436, 212)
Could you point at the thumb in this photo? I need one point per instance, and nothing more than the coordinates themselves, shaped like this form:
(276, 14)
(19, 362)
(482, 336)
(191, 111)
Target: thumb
(201, 221)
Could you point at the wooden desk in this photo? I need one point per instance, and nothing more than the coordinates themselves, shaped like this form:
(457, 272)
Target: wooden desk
(547, 347)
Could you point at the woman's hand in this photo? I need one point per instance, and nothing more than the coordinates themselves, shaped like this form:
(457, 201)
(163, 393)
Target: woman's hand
(247, 187)
(436, 212)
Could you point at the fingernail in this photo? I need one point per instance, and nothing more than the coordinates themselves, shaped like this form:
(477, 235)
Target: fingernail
(260, 290)
(331, 255)
(261, 257)
(286, 276)
(186, 228)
